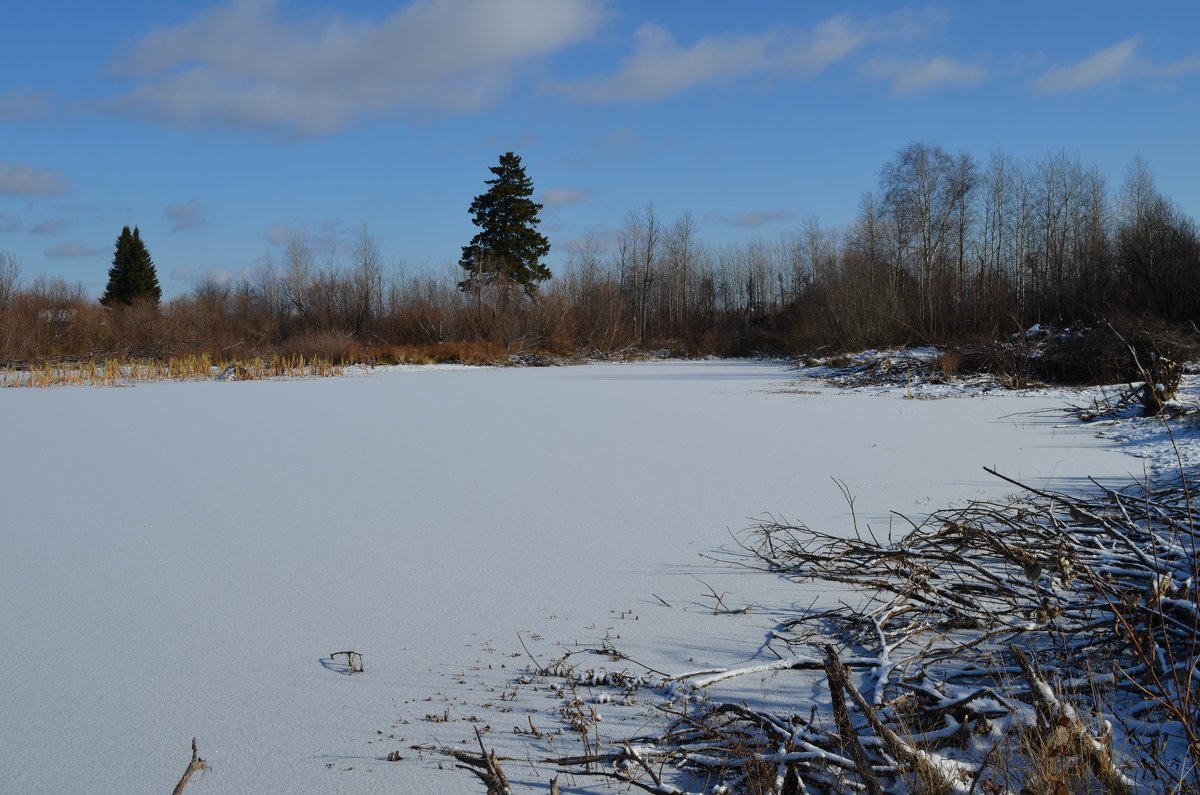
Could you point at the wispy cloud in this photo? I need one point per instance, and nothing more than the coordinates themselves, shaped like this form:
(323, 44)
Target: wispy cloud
(1109, 65)
(758, 218)
(73, 249)
(331, 237)
(924, 74)
(21, 104)
(9, 223)
(1118, 63)
(215, 275)
(659, 66)
(185, 216)
(616, 138)
(594, 241)
(554, 198)
(18, 179)
(51, 226)
(244, 64)
(1180, 67)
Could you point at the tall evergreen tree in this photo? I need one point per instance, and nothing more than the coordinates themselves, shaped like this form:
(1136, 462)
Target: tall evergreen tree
(508, 248)
(132, 275)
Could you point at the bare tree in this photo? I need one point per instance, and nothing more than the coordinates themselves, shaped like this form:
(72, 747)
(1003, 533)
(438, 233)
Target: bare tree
(366, 281)
(921, 195)
(999, 185)
(298, 277)
(1158, 248)
(1058, 191)
(600, 316)
(680, 255)
(10, 278)
(961, 185)
(639, 258)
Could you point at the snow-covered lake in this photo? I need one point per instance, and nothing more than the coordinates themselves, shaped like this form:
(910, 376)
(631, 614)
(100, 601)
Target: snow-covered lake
(177, 559)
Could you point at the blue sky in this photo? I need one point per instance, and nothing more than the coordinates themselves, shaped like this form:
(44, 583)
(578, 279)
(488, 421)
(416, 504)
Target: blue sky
(220, 128)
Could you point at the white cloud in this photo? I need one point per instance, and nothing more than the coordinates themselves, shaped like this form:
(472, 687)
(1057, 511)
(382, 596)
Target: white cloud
(659, 66)
(73, 250)
(51, 226)
(18, 179)
(244, 64)
(1110, 65)
(554, 198)
(924, 74)
(185, 216)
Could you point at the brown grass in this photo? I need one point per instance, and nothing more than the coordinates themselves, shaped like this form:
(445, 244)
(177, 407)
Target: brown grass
(476, 352)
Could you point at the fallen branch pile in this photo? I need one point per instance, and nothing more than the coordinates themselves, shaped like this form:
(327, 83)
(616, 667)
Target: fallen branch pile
(1049, 644)
(893, 368)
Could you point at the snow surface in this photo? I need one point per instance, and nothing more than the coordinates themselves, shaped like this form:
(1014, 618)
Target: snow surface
(179, 560)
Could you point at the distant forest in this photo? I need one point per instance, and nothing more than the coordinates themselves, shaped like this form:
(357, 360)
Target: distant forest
(944, 250)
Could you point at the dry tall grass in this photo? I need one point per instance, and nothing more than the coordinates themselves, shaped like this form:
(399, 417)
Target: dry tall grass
(126, 372)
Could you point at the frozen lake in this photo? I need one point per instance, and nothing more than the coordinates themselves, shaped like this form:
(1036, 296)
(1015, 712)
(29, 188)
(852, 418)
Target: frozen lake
(177, 559)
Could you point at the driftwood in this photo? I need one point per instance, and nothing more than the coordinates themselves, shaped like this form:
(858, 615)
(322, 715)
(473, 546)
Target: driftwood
(195, 766)
(996, 649)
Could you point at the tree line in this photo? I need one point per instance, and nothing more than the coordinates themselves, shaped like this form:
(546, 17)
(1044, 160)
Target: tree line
(943, 249)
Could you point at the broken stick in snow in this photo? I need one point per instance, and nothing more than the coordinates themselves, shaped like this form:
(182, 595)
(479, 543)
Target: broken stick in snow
(486, 766)
(196, 765)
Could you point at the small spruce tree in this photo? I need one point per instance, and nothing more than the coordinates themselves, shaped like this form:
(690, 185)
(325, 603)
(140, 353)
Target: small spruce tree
(508, 248)
(132, 276)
